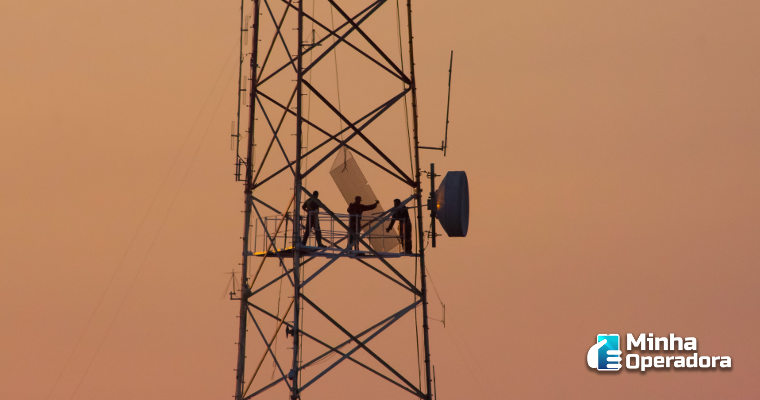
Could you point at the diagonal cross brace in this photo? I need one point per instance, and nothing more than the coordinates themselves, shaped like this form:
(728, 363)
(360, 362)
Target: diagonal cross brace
(357, 341)
(340, 115)
(374, 114)
(382, 324)
(370, 41)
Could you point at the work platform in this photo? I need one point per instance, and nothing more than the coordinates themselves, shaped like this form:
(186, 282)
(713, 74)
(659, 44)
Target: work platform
(274, 238)
(329, 252)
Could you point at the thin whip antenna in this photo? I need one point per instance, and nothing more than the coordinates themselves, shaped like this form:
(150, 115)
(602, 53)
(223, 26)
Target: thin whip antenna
(448, 106)
(445, 142)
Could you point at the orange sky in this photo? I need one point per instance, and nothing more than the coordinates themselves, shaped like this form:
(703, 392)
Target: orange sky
(613, 156)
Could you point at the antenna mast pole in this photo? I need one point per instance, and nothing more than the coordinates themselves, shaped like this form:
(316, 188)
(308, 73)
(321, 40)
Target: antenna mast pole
(418, 197)
(245, 291)
(448, 106)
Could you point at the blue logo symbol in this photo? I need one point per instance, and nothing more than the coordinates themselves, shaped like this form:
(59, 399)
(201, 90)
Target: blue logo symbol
(605, 354)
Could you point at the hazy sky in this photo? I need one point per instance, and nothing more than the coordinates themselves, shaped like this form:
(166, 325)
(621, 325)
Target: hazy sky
(613, 152)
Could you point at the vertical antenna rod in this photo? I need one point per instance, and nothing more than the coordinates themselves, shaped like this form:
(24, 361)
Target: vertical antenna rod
(297, 185)
(245, 291)
(418, 198)
(448, 104)
(243, 29)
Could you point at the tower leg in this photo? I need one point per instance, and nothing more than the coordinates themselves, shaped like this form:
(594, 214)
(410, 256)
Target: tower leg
(418, 199)
(297, 189)
(248, 190)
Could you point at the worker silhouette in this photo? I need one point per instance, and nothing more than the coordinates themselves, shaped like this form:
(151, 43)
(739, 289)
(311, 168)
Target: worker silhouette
(355, 211)
(401, 214)
(311, 206)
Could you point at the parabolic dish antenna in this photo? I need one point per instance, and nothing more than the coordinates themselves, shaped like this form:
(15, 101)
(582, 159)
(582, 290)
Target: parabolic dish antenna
(452, 202)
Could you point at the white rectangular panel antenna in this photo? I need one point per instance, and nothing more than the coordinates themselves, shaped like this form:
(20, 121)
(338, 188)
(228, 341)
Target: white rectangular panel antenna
(351, 182)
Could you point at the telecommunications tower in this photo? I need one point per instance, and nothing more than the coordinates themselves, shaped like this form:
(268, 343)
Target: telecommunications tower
(330, 299)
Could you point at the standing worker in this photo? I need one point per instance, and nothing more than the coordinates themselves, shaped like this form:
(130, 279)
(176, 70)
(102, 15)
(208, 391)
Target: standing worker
(401, 214)
(355, 211)
(311, 206)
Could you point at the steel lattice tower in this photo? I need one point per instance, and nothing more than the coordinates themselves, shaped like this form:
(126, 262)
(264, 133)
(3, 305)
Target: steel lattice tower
(281, 103)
